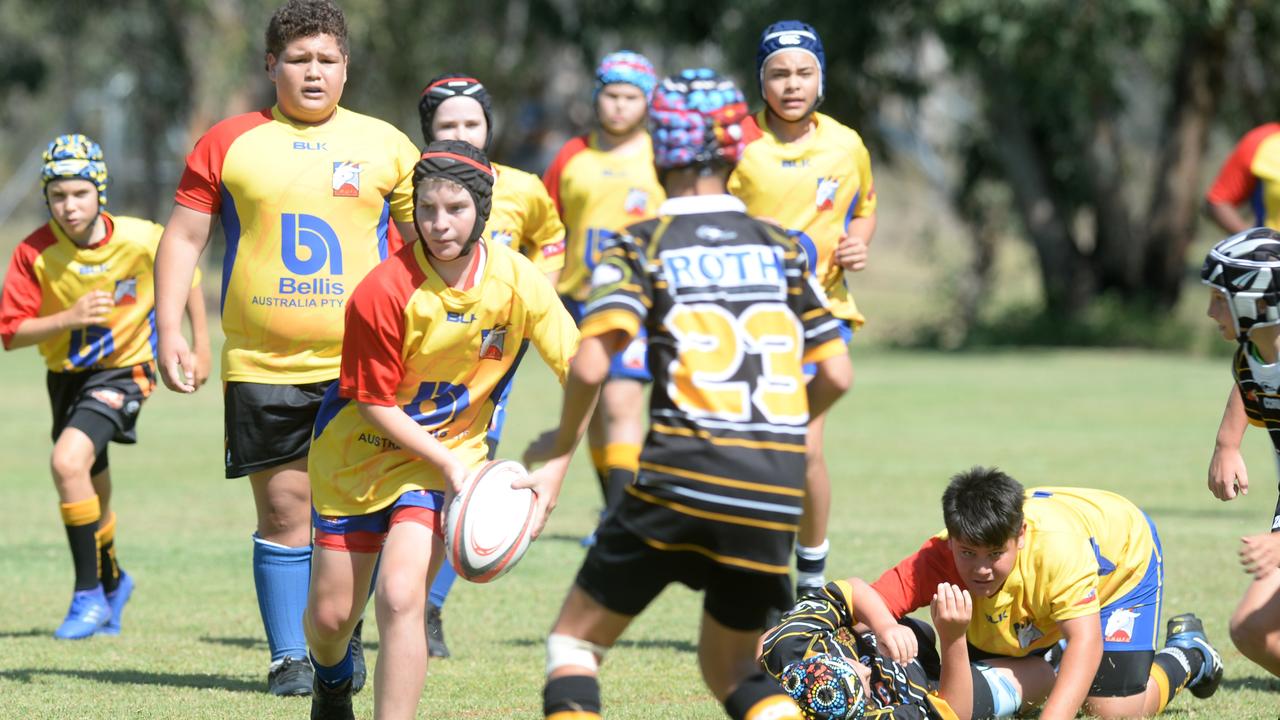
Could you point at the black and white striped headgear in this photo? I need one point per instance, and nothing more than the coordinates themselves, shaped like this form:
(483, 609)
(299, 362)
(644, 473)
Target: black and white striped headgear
(1245, 268)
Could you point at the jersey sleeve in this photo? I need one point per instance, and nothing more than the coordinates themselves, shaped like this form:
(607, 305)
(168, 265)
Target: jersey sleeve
(810, 628)
(201, 185)
(809, 302)
(1236, 181)
(401, 199)
(22, 295)
(864, 205)
(911, 583)
(372, 360)
(553, 331)
(551, 178)
(621, 291)
(1068, 576)
(544, 230)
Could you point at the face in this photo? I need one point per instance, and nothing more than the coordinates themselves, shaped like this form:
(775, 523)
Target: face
(445, 215)
(791, 81)
(460, 118)
(309, 76)
(74, 205)
(621, 108)
(984, 569)
(1221, 314)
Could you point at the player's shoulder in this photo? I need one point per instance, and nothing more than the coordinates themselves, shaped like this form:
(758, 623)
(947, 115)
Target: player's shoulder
(137, 231)
(573, 147)
(395, 278)
(1260, 133)
(226, 131)
(369, 127)
(517, 182)
(39, 240)
(834, 132)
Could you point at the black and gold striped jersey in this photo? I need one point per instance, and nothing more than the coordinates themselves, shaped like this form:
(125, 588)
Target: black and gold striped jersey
(1259, 386)
(824, 623)
(731, 317)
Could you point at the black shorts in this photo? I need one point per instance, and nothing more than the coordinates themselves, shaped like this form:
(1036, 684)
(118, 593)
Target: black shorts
(268, 425)
(624, 574)
(1120, 674)
(103, 404)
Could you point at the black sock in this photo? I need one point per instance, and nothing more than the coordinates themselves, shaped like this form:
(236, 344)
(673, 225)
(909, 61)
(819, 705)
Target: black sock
(84, 554)
(571, 694)
(1179, 665)
(616, 486)
(760, 696)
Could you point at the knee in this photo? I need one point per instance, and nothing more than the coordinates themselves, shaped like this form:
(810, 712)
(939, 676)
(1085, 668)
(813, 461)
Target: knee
(329, 621)
(1248, 634)
(67, 463)
(401, 597)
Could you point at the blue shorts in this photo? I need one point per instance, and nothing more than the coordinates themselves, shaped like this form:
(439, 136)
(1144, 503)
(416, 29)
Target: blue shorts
(366, 533)
(1131, 623)
(631, 362)
(846, 334)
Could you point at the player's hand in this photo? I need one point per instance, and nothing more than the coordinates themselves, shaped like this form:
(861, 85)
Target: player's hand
(1227, 474)
(177, 363)
(951, 610)
(204, 363)
(899, 643)
(91, 309)
(1260, 554)
(545, 483)
(455, 475)
(542, 449)
(851, 253)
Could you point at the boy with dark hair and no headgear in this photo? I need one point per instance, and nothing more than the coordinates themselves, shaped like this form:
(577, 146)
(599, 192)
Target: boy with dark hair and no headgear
(730, 319)
(305, 192)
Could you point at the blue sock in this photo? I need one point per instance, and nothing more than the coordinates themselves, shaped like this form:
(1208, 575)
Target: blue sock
(281, 576)
(334, 675)
(444, 582)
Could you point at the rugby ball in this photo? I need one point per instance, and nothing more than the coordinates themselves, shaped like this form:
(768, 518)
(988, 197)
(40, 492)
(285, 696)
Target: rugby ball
(488, 526)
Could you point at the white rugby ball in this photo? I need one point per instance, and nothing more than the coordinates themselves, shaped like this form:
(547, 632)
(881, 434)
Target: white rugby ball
(488, 526)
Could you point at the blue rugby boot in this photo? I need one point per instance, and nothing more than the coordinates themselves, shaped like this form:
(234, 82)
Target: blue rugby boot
(1186, 631)
(89, 613)
(117, 599)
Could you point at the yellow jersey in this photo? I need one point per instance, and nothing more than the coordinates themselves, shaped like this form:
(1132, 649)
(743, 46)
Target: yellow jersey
(524, 218)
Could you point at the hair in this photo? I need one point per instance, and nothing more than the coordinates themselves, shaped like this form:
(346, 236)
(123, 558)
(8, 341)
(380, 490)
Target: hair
(983, 506)
(305, 18)
(431, 182)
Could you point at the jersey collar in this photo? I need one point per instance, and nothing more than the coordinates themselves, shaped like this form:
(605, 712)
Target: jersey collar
(698, 204)
(61, 235)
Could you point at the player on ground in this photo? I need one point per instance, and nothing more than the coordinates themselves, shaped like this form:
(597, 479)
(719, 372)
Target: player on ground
(823, 636)
(812, 175)
(80, 289)
(304, 192)
(1243, 273)
(602, 182)
(432, 336)
(1047, 564)
(456, 107)
(730, 319)
(1250, 174)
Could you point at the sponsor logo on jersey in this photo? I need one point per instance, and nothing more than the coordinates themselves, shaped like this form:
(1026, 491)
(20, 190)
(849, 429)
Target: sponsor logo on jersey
(1270, 402)
(93, 269)
(724, 267)
(126, 291)
(711, 233)
(1027, 633)
(303, 145)
(1088, 597)
(110, 397)
(502, 236)
(997, 618)
(637, 202)
(553, 249)
(826, 195)
(346, 179)
(457, 317)
(492, 343)
(1120, 625)
(790, 164)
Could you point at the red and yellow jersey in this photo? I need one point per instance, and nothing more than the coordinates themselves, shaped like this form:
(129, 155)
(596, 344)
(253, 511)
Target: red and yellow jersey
(598, 193)
(1083, 549)
(48, 273)
(1252, 173)
(524, 218)
(813, 188)
(443, 355)
(305, 210)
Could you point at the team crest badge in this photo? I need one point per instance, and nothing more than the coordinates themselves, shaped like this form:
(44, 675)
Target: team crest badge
(827, 188)
(110, 397)
(492, 343)
(501, 236)
(1120, 626)
(126, 291)
(346, 179)
(637, 201)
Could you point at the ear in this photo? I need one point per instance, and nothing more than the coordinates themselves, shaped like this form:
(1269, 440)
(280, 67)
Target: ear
(272, 61)
(1022, 535)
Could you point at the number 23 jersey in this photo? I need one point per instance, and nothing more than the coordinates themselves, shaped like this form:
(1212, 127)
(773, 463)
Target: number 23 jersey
(305, 210)
(731, 316)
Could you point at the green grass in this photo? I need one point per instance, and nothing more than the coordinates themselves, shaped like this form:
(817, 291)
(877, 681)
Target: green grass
(1141, 424)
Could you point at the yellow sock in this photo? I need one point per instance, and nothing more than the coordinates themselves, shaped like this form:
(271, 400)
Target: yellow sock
(81, 512)
(625, 456)
(108, 567)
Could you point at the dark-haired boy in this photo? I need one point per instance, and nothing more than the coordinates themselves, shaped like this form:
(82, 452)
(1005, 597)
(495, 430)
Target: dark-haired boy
(1078, 565)
(305, 192)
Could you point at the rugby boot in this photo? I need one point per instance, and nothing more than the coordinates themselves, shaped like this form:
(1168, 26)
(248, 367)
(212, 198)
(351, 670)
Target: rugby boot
(89, 613)
(1186, 631)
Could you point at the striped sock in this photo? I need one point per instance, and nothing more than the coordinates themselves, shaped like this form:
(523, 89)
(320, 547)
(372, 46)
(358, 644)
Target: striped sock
(759, 697)
(109, 567)
(573, 697)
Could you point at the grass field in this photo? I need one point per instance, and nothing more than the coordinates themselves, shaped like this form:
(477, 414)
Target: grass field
(192, 647)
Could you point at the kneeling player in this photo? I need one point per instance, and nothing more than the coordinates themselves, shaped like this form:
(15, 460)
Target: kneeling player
(1044, 565)
(715, 504)
(432, 336)
(80, 288)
